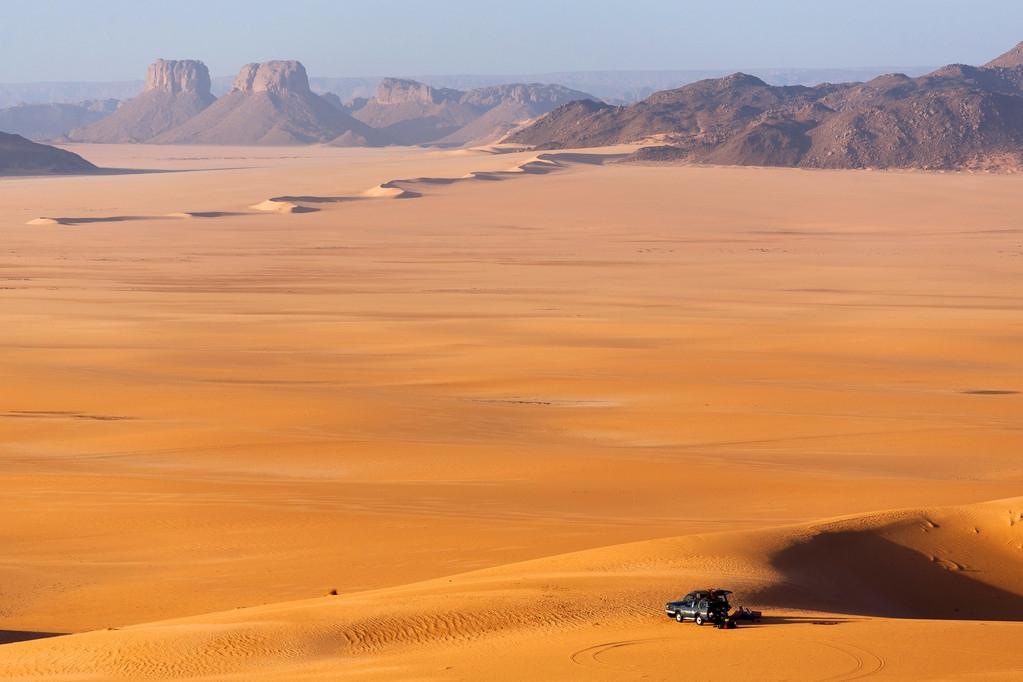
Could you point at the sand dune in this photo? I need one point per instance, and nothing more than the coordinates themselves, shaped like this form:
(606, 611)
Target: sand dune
(87, 220)
(412, 188)
(478, 415)
(391, 189)
(280, 206)
(944, 563)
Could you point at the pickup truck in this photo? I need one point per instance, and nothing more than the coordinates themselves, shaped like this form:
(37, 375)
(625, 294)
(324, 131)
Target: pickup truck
(700, 606)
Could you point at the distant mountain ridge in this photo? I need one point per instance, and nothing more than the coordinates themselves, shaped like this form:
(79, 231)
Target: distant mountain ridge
(50, 121)
(273, 104)
(612, 86)
(411, 112)
(955, 117)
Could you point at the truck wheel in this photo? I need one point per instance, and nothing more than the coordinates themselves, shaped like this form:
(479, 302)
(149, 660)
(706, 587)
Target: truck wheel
(699, 619)
(678, 616)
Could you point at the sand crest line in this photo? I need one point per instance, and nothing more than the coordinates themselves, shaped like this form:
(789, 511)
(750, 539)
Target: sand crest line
(413, 188)
(70, 221)
(401, 188)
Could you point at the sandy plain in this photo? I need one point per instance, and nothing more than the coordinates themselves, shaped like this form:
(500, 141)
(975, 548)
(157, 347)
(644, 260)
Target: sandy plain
(507, 418)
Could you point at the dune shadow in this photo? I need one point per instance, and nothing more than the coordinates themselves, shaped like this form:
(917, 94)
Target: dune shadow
(990, 391)
(131, 171)
(534, 168)
(584, 158)
(12, 636)
(212, 214)
(862, 573)
(76, 220)
(766, 621)
(408, 193)
(153, 171)
(71, 220)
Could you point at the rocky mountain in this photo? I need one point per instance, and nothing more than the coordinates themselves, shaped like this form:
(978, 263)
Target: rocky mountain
(508, 107)
(50, 121)
(175, 91)
(612, 86)
(1010, 60)
(415, 113)
(271, 104)
(955, 117)
(19, 156)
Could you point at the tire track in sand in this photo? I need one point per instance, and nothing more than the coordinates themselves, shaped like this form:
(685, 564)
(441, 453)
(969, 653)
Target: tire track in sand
(864, 662)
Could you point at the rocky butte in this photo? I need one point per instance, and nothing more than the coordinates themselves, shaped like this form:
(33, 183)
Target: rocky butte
(271, 104)
(175, 91)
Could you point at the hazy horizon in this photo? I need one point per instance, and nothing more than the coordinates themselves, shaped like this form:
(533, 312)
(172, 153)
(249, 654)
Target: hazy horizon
(115, 40)
(497, 76)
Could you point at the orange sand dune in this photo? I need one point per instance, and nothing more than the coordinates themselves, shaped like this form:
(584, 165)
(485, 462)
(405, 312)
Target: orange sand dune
(559, 613)
(255, 408)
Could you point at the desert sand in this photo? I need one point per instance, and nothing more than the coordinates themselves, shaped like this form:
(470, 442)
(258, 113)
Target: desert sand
(506, 418)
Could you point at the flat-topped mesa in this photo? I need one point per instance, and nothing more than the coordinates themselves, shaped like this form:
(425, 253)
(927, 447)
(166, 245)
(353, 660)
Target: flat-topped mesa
(176, 90)
(178, 75)
(278, 76)
(271, 104)
(543, 95)
(401, 90)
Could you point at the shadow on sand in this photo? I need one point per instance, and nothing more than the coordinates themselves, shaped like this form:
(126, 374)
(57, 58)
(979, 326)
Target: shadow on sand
(793, 620)
(861, 573)
(12, 636)
(73, 220)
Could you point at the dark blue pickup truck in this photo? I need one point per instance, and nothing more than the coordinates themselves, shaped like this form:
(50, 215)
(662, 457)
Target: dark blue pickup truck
(700, 606)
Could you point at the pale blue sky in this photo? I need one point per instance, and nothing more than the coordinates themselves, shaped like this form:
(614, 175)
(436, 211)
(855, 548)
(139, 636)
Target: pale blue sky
(116, 39)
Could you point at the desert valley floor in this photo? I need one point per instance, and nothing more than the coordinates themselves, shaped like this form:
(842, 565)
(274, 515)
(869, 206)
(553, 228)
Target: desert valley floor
(506, 418)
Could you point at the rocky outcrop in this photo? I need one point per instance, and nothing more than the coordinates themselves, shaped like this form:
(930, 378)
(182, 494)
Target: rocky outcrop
(1010, 60)
(279, 77)
(175, 91)
(19, 156)
(509, 107)
(52, 121)
(956, 117)
(271, 104)
(178, 76)
(539, 97)
(416, 113)
(397, 91)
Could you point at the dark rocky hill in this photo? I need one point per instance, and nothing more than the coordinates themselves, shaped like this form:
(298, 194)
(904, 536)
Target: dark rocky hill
(19, 156)
(956, 117)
